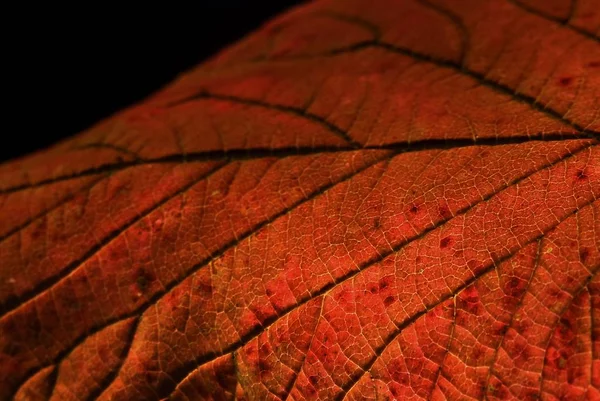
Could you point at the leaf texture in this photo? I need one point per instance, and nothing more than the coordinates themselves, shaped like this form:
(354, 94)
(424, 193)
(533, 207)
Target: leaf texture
(363, 200)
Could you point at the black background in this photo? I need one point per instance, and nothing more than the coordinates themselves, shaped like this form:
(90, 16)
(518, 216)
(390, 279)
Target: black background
(66, 69)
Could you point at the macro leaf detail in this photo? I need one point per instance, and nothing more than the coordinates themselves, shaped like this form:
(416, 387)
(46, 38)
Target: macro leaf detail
(363, 200)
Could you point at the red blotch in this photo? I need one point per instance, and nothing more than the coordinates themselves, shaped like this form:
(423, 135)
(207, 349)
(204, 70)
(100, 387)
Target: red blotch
(565, 330)
(385, 282)
(594, 64)
(514, 287)
(373, 288)
(444, 211)
(584, 254)
(204, 288)
(395, 368)
(581, 175)
(565, 81)
(499, 328)
(264, 368)
(445, 242)
(469, 300)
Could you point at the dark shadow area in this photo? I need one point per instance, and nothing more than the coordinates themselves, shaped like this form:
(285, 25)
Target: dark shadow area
(69, 68)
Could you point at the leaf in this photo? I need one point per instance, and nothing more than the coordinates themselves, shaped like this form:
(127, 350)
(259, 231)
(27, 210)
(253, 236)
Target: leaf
(362, 200)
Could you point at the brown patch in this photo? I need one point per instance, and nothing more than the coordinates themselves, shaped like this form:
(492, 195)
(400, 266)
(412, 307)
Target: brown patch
(144, 279)
(263, 366)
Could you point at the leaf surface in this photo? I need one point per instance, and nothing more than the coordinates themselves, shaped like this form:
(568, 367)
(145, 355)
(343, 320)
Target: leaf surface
(360, 201)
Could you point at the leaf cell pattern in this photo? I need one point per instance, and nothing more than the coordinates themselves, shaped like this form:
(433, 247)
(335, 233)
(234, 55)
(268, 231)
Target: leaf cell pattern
(363, 200)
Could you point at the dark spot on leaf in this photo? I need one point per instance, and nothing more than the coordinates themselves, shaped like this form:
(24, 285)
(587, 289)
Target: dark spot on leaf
(501, 329)
(476, 354)
(584, 254)
(144, 279)
(142, 282)
(445, 242)
(389, 300)
(384, 283)
(314, 380)
(204, 288)
(377, 222)
(513, 287)
(445, 211)
(565, 81)
(581, 175)
(555, 294)
(565, 327)
(263, 366)
(269, 292)
(414, 209)
(594, 64)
